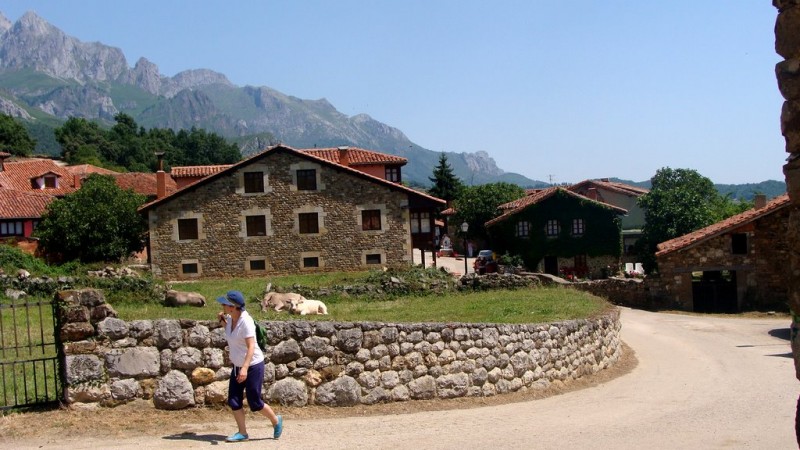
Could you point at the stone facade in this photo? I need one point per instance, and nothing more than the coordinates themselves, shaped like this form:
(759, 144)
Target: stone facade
(787, 45)
(184, 363)
(222, 208)
(761, 273)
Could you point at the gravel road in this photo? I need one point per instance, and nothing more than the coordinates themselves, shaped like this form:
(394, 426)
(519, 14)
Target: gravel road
(702, 382)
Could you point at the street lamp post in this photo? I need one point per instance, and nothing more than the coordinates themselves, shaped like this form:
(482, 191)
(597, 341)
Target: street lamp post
(464, 228)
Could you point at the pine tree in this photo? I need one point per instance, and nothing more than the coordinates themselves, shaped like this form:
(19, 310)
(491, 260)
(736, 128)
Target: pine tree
(445, 184)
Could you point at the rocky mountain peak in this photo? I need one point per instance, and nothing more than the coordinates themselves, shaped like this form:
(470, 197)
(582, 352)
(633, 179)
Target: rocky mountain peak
(32, 23)
(5, 24)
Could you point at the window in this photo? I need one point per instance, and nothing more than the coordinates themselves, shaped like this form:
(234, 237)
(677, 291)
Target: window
(371, 219)
(256, 225)
(50, 182)
(258, 264)
(523, 229)
(739, 244)
(393, 174)
(189, 268)
(311, 261)
(578, 227)
(11, 228)
(420, 222)
(307, 180)
(187, 229)
(374, 258)
(309, 223)
(552, 229)
(253, 182)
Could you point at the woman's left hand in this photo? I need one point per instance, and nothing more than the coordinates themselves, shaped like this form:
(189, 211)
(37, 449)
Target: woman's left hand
(242, 375)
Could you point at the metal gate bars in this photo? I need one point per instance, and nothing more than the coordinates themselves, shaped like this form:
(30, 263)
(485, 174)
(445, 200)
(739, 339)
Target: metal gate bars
(30, 354)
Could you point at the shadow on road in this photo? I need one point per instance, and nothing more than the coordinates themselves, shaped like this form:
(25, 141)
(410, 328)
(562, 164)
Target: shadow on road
(780, 333)
(213, 439)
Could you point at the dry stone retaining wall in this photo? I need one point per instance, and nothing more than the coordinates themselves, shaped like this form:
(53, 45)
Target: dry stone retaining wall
(183, 363)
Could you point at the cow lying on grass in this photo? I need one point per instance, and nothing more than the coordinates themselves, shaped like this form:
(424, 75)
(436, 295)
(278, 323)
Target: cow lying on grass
(179, 298)
(306, 306)
(279, 301)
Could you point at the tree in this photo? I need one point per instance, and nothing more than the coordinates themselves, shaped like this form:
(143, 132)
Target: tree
(680, 201)
(478, 204)
(14, 137)
(99, 222)
(445, 184)
(80, 136)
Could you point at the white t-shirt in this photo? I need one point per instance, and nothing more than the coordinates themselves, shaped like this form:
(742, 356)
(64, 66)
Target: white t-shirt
(237, 347)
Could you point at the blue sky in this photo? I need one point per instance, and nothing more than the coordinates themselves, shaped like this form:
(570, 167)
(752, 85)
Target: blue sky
(554, 90)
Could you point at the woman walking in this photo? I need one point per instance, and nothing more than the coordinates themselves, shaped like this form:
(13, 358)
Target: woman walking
(248, 365)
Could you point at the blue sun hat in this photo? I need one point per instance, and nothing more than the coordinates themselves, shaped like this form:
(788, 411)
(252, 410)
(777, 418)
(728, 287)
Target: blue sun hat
(232, 298)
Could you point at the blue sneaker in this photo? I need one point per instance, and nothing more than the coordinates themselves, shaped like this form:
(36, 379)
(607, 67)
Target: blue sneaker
(278, 428)
(236, 437)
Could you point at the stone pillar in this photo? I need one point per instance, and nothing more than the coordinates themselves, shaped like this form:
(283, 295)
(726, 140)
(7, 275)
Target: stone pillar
(787, 45)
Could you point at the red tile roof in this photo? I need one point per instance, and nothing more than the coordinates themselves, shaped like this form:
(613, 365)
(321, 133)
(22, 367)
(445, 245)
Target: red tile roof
(17, 175)
(143, 183)
(355, 156)
(196, 171)
(519, 204)
(23, 205)
(703, 234)
(84, 170)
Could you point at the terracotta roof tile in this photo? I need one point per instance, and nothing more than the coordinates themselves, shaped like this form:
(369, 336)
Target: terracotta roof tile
(355, 156)
(716, 229)
(17, 175)
(519, 204)
(196, 171)
(84, 170)
(23, 205)
(143, 183)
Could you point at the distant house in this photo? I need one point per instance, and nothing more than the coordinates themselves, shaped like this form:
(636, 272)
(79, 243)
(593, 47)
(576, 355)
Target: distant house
(740, 262)
(28, 185)
(623, 196)
(560, 232)
(20, 212)
(287, 211)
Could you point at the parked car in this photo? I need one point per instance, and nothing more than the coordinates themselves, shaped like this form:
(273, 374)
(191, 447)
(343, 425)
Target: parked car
(485, 262)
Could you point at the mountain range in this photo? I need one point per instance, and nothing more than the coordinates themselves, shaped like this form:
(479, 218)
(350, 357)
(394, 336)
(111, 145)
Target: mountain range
(47, 76)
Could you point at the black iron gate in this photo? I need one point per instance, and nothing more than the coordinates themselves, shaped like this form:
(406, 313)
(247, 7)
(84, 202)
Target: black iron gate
(30, 355)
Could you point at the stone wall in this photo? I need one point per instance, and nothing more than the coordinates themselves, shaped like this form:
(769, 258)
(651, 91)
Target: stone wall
(787, 45)
(223, 249)
(183, 363)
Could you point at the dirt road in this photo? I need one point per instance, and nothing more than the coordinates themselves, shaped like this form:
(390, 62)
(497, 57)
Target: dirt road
(701, 383)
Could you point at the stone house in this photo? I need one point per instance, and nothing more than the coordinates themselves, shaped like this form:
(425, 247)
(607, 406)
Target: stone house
(738, 263)
(560, 232)
(286, 211)
(623, 196)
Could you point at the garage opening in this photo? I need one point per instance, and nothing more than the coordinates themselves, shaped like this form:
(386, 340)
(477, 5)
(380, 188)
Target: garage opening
(714, 291)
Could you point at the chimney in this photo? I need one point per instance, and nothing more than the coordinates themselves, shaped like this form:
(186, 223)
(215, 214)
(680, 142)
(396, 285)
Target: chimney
(76, 181)
(3, 156)
(760, 201)
(161, 177)
(344, 157)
